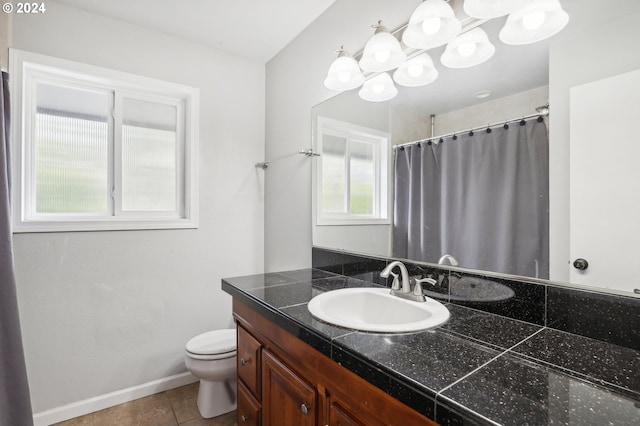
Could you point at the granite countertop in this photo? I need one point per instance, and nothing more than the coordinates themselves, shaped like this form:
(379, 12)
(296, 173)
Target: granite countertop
(478, 368)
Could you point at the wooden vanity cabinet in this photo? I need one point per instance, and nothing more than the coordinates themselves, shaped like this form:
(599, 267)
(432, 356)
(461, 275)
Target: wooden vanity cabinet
(285, 382)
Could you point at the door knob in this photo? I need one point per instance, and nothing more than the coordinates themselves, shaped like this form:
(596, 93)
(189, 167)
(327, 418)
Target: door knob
(304, 409)
(580, 264)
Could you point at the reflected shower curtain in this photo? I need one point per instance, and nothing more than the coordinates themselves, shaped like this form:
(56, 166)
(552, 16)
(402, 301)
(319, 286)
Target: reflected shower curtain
(15, 403)
(484, 199)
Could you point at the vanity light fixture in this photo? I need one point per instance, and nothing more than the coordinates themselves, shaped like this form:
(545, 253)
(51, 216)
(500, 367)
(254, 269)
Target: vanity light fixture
(534, 21)
(432, 24)
(382, 52)
(379, 88)
(468, 49)
(489, 9)
(417, 71)
(344, 73)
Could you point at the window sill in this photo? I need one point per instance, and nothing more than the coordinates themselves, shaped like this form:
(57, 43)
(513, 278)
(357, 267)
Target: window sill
(79, 226)
(352, 222)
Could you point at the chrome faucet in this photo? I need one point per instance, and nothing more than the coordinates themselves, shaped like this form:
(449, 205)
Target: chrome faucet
(452, 260)
(404, 292)
(406, 287)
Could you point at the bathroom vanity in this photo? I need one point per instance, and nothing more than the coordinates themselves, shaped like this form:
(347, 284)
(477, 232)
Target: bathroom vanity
(282, 381)
(478, 368)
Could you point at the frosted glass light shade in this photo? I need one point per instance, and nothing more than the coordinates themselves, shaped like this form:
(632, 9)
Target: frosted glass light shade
(379, 88)
(432, 24)
(489, 9)
(468, 49)
(417, 71)
(382, 52)
(534, 21)
(344, 73)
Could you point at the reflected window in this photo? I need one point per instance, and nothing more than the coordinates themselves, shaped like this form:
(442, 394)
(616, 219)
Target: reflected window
(352, 174)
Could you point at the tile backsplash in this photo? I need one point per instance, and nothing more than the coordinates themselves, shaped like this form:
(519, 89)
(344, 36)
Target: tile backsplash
(606, 317)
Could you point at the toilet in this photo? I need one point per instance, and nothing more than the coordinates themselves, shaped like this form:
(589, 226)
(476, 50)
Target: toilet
(211, 357)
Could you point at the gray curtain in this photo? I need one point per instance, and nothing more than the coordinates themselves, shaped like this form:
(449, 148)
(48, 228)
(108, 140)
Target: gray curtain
(15, 403)
(484, 199)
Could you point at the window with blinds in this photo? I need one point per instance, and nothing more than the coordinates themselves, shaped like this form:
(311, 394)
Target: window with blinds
(103, 150)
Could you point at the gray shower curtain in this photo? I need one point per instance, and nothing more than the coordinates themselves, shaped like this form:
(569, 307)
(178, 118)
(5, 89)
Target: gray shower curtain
(484, 199)
(15, 403)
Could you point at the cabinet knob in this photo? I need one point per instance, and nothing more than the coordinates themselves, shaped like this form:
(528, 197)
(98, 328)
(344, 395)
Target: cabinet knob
(581, 264)
(243, 361)
(304, 409)
(244, 418)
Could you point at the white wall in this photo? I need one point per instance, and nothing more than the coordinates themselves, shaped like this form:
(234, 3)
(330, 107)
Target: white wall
(294, 85)
(103, 311)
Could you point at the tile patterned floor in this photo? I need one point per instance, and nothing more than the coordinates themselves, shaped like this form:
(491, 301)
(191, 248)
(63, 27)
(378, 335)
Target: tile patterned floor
(170, 408)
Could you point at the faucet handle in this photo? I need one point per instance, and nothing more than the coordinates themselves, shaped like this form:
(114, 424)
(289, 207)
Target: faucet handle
(396, 283)
(417, 289)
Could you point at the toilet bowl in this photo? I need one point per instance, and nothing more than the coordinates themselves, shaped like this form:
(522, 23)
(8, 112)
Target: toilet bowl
(211, 357)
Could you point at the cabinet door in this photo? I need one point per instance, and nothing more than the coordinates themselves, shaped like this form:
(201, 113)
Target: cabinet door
(248, 407)
(338, 416)
(287, 400)
(248, 355)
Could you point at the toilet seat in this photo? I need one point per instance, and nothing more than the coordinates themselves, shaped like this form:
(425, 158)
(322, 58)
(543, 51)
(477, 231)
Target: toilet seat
(217, 344)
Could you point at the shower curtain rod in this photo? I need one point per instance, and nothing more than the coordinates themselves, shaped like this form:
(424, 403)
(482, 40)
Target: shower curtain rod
(306, 152)
(438, 139)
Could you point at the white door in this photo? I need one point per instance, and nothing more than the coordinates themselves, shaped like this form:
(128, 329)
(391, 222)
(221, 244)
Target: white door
(605, 182)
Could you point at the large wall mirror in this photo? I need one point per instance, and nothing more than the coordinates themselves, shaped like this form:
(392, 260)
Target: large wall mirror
(589, 75)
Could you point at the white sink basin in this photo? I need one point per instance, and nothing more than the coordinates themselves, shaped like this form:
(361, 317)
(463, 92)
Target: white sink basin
(375, 309)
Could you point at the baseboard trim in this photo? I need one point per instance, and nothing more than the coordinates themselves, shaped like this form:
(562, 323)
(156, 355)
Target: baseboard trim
(80, 408)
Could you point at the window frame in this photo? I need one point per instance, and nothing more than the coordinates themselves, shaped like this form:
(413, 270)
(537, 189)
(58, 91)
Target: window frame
(27, 69)
(360, 134)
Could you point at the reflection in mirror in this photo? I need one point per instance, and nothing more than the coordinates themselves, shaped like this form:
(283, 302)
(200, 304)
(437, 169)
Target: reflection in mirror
(589, 60)
(481, 198)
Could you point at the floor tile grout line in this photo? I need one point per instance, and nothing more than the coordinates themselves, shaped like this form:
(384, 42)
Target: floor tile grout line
(487, 363)
(173, 410)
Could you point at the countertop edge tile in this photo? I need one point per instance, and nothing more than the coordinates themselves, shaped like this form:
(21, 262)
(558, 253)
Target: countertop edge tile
(379, 376)
(320, 343)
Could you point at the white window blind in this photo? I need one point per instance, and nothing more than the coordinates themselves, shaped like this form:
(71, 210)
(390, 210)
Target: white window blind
(100, 149)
